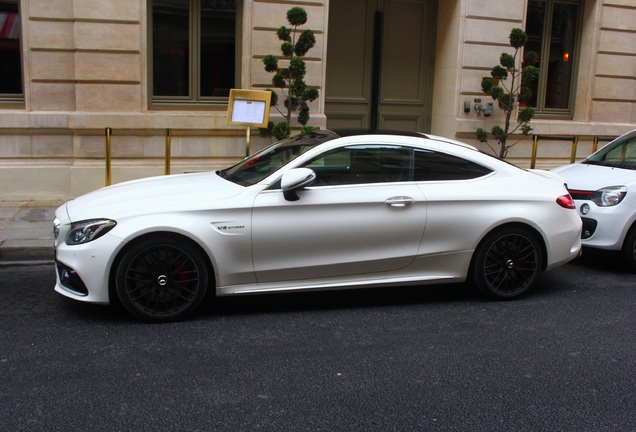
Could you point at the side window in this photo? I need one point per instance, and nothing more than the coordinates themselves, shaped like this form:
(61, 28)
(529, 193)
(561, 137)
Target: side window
(363, 164)
(623, 153)
(434, 166)
(10, 57)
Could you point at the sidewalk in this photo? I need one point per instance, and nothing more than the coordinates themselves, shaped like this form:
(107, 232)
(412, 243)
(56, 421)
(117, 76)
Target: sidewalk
(26, 231)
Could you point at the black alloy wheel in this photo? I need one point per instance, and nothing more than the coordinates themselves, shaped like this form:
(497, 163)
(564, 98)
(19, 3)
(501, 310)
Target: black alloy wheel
(162, 279)
(507, 263)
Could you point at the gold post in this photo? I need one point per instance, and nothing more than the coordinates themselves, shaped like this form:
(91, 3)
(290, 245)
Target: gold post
(535, 144)
(247, 143)
(166, 169)
(108, 131)
(575, 143)
(595, 145)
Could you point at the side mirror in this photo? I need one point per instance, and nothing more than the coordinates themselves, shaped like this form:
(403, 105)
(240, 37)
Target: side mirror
(294, 180)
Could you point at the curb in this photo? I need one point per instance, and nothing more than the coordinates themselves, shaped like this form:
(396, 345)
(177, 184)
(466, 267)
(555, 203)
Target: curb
(25, 251)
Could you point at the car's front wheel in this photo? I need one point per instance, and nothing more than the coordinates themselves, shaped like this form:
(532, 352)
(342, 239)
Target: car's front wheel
(161, 279)
(507, 263)
(629, 250)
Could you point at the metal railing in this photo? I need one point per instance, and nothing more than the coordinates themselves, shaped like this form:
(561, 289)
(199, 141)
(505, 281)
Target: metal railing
(108, 154)
(535, 146)
(573, 148)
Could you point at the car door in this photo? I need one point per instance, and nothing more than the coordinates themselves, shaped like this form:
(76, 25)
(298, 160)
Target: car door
(362, 215)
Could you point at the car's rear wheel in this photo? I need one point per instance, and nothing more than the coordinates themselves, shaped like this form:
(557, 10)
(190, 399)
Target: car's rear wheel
(507, 263)
(162, 279)
(629, 250)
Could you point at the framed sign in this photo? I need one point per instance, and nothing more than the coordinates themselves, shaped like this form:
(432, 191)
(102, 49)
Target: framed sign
(248, 107)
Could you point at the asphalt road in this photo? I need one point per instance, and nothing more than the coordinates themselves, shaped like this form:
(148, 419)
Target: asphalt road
(439, 358)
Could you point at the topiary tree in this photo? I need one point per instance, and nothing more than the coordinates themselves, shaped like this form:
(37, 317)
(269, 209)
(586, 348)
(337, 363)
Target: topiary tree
(291, 80)
(509, 96)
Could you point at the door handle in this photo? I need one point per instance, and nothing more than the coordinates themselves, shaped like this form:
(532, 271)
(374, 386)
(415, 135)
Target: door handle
(399, 201)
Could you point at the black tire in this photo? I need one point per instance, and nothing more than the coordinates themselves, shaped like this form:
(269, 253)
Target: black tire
(507, 263)
(161, 279)
(629, 250)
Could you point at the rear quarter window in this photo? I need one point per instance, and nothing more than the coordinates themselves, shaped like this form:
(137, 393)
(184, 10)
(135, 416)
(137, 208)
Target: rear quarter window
(436, 166)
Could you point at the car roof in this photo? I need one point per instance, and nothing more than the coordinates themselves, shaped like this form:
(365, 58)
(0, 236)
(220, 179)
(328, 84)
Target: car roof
(414, 134)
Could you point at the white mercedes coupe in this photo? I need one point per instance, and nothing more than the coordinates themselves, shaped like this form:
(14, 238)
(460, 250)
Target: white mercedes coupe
(322, 210)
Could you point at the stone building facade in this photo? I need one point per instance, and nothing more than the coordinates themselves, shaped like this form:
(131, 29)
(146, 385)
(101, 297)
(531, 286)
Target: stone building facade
(86, 67)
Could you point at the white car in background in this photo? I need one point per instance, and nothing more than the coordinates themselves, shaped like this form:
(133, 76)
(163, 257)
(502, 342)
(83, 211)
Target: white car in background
(604, 189)
(314, 212)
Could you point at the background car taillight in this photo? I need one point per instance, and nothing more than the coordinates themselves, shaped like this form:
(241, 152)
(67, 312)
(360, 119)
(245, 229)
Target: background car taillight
(566, 201)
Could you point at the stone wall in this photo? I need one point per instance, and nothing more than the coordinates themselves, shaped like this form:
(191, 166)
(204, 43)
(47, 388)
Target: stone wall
(471, 37)
(85, 70)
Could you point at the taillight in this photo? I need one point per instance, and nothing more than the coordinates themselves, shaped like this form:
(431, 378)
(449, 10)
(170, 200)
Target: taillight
(566, 201)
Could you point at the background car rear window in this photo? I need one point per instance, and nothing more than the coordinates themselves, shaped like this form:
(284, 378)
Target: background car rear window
(431, 166)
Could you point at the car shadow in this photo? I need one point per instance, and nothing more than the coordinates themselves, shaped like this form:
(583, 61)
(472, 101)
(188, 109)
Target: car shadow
(332, 300)
(600, 261)
(360, 298)
(96, 313)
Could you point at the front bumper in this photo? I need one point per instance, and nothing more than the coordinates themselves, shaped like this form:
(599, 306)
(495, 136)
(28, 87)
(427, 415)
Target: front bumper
(605, 227)
(83, 271)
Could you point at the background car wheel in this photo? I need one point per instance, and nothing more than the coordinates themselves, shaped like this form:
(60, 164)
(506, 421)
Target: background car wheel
(507, 263)
(161, 279)
(629, 250)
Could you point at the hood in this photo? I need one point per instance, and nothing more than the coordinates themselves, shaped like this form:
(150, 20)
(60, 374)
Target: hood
(593, 177)
(183, 191)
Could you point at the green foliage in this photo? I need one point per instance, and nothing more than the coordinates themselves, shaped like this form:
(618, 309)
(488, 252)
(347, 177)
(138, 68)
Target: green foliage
(530, 74)
(303, 115)
(497, 93)
(530, 58)
(518, 38)
(306, 41)
(266, 132)
(509, 94)
(498, 132)
(482, 135)
(526, 114)
(281, 130)
(507, 60)
(499, 72)
(274, 99)
(284, 34)
(291, 81)
(311, 94)
(287, 49)
(297, 67)
(271, 63)
(486, 85)
(297, 16)
(279, 81)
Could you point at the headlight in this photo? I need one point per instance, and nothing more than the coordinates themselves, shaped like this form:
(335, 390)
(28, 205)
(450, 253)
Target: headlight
(88, 230)
(609, 196)
(56, 228)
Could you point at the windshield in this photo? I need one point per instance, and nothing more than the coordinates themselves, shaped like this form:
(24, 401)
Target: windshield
(264, 163)
(620, 153)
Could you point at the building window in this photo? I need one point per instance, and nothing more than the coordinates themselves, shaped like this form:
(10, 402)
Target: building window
(10, 53)
(193, 51)
(553, 28)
